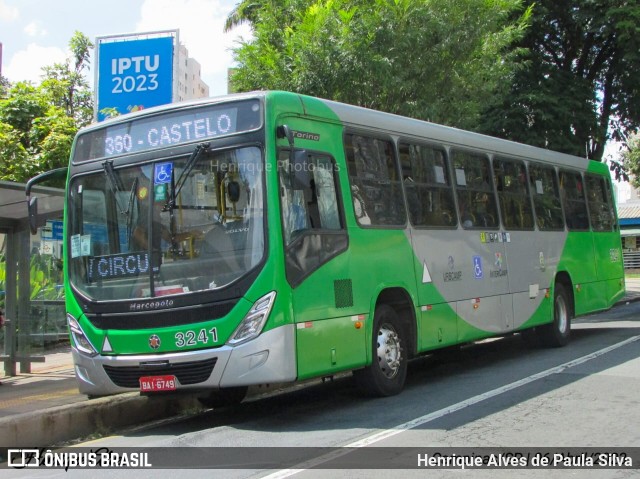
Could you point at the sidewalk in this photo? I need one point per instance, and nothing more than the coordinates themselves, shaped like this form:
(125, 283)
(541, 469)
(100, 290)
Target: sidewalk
(633, 290)
(44, 408)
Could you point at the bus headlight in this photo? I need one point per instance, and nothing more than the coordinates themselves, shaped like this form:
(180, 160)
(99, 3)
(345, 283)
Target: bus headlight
(252, 324)
(82, 343)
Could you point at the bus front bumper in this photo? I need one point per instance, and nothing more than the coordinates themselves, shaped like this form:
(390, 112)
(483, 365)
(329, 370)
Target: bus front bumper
(269, 358)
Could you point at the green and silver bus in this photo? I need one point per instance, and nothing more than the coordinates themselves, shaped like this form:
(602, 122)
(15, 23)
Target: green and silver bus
(272, 237)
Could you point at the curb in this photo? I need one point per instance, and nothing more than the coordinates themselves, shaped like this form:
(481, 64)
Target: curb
(100, 416)
(629, 299)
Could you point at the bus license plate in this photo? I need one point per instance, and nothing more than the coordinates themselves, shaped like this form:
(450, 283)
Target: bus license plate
(157, 383)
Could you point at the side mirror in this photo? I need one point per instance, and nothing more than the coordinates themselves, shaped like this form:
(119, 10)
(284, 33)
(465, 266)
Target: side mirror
(32, 203)
(284, 131)
(33, 215)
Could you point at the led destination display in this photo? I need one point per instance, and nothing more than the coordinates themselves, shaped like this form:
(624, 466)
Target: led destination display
(161, 131)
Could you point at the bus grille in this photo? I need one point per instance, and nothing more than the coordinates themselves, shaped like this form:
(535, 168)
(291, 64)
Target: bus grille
(187, 373)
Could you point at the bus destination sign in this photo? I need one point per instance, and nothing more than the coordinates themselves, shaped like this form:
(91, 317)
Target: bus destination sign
(165, 130)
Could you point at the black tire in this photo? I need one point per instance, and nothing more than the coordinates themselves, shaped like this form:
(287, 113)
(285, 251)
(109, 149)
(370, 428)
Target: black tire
(225, 397)
(558, 332)
(388, 370)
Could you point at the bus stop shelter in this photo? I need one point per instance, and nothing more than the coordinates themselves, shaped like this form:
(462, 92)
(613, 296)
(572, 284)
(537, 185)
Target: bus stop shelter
(32, 318)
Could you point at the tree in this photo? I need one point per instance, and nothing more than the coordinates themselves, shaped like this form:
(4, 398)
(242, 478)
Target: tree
(66, 83)
(38, 123)
(35, 135)
(4, 86)
(244, 12)
(578, 85)
(437, 60)
(631, 158)
(13, 154)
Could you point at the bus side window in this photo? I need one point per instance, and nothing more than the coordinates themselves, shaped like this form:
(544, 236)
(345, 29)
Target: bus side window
(308, 195)
(375, 181)
(510, 177)
(600, 209)
(312, 222)
(543, 183)
(427, 184)
(476, 200)
(573, 200)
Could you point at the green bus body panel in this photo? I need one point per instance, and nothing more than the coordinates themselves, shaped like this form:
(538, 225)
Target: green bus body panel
(331, 345)
(199, 335)
(596, 284)
(437, 326)
(439, 322)
(333, 307)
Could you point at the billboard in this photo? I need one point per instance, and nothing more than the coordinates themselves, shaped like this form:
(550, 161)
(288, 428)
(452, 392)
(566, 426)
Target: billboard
(134, 73)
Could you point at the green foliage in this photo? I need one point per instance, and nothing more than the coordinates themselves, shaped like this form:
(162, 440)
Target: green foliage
(437, 60)
(631, 158)
(23, 103)
(110, 112)
(35, 135)
(38, 123)
(66, 85)
(578, 85)
(3, 277)
(4, 86)
(13, 154)
(46, 277)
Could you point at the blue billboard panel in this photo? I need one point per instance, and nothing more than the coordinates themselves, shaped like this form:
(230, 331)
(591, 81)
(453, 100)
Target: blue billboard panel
(134, 74)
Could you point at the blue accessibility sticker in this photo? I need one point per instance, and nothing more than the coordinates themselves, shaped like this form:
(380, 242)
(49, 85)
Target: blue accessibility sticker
(477, 267)
(162, 173)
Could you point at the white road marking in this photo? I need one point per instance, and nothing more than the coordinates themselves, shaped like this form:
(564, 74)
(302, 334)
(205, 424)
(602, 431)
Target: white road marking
(380, 436)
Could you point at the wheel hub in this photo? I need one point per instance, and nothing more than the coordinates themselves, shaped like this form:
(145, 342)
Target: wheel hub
(561, 314)
(389, 351)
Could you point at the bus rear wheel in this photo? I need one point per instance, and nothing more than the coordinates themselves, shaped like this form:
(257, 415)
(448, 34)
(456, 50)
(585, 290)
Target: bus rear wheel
(386, 374)
(558, 332)
(225, 397)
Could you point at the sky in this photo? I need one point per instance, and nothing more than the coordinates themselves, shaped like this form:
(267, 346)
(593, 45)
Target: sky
(36, 33)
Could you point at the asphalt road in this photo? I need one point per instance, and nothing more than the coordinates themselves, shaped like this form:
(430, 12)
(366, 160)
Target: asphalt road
(495, 394)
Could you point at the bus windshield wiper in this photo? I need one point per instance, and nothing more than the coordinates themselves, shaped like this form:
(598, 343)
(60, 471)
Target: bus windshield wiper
(115, 183)
(132, 196)
(182, 179)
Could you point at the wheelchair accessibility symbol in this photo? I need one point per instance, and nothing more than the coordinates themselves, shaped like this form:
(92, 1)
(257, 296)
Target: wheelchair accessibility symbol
(162, 173)
(477, 267)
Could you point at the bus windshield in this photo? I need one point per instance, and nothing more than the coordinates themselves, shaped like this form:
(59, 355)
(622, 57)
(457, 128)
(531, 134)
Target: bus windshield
(173, 226)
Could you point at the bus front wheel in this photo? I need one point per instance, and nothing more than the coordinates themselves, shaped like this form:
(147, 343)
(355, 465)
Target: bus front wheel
(558, 332)
(386, 374)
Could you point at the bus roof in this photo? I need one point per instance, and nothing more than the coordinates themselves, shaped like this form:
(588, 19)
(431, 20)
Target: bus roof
(395, 125)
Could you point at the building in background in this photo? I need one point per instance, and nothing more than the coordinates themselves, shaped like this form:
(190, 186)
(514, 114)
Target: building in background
(628, 205)
(189, 81)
